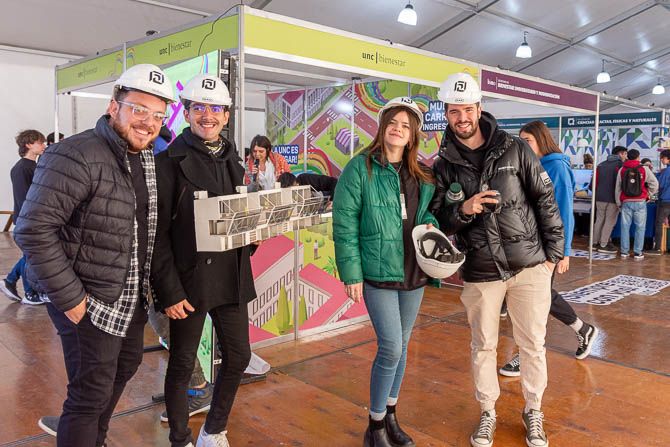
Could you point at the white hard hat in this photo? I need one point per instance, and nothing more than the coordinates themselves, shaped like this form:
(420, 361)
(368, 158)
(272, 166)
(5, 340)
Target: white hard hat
(207, 89)
(435, 254)
(460, 88)
(404, 101)
(147, 78)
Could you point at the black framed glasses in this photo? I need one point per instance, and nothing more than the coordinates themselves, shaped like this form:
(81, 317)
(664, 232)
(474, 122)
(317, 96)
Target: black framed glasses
(202, 108)
(142, 113)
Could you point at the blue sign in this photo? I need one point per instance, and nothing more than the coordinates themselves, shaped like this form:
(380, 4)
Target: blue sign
(614, 120)
(434, 119)
(289, 152)
(518, 123)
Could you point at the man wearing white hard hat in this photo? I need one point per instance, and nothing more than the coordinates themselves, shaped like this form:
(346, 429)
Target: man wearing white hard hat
(87, 228)
(191, 284)
(509, 227)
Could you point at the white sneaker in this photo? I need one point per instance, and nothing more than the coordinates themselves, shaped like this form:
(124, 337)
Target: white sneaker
(213, 440)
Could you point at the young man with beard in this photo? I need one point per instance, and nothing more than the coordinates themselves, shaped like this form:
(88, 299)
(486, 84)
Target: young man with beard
(191, 284)
(510, 230)
(87, 229)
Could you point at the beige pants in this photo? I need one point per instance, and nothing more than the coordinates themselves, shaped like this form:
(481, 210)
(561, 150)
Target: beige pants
(528, 300)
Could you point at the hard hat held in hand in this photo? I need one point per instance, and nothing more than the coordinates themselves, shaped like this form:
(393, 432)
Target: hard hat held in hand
(206, 89)
(402, 101)
(460, 88)
(147, 78)
(435, 254)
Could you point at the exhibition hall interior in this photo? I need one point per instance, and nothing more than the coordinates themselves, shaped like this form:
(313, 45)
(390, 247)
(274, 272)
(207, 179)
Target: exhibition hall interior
(333, 223)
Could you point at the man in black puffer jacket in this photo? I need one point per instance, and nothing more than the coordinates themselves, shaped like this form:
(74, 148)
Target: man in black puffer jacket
(511, 242)
(87, 229)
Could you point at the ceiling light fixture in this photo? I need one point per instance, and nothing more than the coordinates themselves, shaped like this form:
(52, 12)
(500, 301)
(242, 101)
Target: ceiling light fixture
(524, 51)
(603, 76)
(658, 88)
(408, 15)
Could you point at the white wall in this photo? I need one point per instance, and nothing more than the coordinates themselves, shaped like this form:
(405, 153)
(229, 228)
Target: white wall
(27, 81)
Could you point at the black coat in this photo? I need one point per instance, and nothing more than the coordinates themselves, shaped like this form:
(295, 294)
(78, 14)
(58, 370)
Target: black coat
(321, 183)
(527, 231)
(607, 174)
(179, 271)
(76, 225)
(22, 176)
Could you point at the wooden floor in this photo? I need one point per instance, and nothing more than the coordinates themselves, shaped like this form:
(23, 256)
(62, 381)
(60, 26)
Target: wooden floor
(317, 392)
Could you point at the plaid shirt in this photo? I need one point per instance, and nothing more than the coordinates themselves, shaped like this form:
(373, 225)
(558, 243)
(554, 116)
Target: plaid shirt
(115, 318)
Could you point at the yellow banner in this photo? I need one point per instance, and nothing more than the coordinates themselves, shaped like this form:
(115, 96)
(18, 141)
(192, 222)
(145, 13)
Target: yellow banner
(91, 71)
(268, 34)
(223, 35)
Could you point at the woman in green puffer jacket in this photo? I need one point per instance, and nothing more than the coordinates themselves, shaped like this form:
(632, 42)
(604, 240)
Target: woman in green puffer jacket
(382, 194)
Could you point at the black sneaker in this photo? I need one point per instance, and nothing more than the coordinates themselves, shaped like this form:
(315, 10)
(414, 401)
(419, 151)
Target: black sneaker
(511, 368)
(32, 299)
(586, 336)
(535, 435)
(609, 248)
(638, 256)
(9, 289)
(653, 252)
(199, 401)
(49, 424)
(503, 309)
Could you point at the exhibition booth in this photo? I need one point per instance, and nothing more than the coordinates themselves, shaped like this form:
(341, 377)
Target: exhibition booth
(324, 88)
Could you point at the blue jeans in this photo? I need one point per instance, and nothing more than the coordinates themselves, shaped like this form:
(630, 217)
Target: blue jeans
(18, 272)
(392, 313)
(635, 212)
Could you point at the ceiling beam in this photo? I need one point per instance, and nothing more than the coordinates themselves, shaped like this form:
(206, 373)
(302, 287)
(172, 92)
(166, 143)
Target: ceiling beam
(39, 52)
(260, 4)
(650, 56)
(453, 23)
(592, 31)
(174, 7)
(647, 91)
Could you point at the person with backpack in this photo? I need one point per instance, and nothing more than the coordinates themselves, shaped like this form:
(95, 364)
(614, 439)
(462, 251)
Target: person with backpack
(607, 210)
(637, 183)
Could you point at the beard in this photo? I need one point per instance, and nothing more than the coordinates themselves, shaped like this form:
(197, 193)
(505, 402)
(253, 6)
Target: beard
(469, 134)
(135, 142)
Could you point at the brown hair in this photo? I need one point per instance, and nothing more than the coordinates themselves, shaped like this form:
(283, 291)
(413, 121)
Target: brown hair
(26, 137)
(410, 154)
(261, 141)
(542, 135)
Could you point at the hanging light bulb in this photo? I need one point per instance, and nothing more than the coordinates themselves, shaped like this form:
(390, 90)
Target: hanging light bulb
(408, 15)
(658, 88)
(524, 51)
(603, 76)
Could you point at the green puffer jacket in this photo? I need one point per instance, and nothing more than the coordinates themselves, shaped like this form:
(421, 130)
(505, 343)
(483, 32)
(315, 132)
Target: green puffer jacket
(367, 223)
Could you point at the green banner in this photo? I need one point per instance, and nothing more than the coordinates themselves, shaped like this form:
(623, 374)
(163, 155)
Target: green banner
(221, 34)
(286, 38)
(92, 71)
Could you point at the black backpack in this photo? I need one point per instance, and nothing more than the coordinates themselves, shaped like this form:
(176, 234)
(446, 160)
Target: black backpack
(631, 183)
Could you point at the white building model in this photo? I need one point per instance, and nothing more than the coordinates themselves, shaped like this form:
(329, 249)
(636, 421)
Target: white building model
(227, 222)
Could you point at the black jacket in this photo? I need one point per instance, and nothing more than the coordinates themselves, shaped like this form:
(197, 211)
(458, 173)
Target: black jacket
(607, 174)
(527, 231)
(22, 176)
(76, 225)
(321, 183)
(179, 271)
